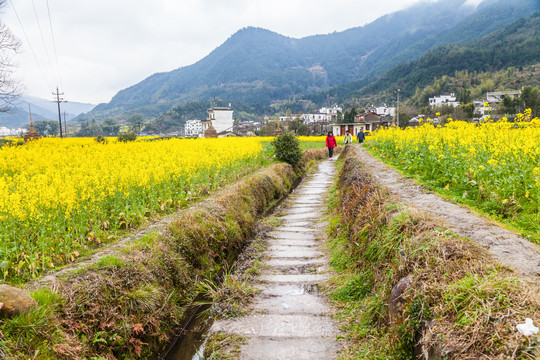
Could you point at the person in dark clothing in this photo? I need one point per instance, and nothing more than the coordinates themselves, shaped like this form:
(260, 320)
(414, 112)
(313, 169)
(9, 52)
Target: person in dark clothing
(361, 136)
(331, 144)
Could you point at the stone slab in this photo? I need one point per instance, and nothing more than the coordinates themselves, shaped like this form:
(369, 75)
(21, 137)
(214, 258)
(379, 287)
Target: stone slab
(298, 226)
(288, 247)
(304, 216)
(293, 242)
(293, 254)
(292, 304)
(299, 326)
(293, 235)
(278, 290)
(289, 349)
(277, 262)
(300, 278)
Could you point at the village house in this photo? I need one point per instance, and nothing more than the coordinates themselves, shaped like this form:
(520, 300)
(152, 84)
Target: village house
(331, 110)
(365, 122)
(221, 119)
(4, 131)
(310, 118)
(448, 99)
(193, 128)
(382, 110)
(497, 96)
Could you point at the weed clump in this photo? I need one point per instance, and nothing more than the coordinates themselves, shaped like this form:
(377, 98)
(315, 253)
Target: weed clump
(127, 137)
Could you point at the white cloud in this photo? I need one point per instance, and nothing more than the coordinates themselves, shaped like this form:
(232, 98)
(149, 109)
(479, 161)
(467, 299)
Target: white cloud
(106, 45)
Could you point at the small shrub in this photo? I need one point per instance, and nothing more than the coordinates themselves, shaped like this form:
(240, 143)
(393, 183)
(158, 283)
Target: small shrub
(287, 148)
(101, 139)
(126, 137)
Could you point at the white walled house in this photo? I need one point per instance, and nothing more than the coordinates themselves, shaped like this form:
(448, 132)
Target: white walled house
(4, 131)
(193, 128)
(221, 118)
(331, 110)
(382, 110)
(497, 96)
(447, 99)
(309, 118)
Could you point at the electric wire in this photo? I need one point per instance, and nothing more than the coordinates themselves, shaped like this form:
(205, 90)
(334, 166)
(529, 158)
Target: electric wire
(54, 45)
(47, 82)
(42, 37)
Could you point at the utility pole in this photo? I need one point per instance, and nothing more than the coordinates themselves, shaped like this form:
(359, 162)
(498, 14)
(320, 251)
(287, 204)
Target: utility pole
(58, 101)
(397, 110)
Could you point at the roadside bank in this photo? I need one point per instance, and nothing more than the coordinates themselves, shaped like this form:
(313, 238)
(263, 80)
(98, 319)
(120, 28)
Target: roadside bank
(408, 287)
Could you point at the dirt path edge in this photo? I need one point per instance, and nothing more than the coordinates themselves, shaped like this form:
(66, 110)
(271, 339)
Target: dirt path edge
(507, 247)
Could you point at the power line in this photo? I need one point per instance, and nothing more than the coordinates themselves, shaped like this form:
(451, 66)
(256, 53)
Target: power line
(30, 45)
(41, 33)
(54, 44)
(58, 101)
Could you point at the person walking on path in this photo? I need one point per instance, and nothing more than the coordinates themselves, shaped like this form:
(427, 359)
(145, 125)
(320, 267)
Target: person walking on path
(361, 136)
(330, 144)
(347, 139)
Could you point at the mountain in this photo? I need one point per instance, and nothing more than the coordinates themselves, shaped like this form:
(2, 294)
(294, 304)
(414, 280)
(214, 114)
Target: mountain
(258, 66)
(516, 45)
(41, 110)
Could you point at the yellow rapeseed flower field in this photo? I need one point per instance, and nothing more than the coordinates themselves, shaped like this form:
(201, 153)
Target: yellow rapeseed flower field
(59, 198)
(494, 166)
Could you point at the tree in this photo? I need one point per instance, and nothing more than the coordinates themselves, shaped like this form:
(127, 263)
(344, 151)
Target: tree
(109, 127)
(464, 96)
(404, 118)
(349, 116)
(9, 87)
(509, 105)
(530, 98)
(46, 127)
(468, 110)
(136, 123)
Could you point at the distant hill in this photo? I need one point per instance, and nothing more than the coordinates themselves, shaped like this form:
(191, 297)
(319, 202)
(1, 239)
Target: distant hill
(516, 45)
(42, 109)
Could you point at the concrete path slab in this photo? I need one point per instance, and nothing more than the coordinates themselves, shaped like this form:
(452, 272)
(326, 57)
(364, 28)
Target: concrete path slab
(289, 349)
(289, 315)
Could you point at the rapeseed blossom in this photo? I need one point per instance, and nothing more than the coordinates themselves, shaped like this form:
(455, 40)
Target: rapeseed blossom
(496, 163)
(59, 198)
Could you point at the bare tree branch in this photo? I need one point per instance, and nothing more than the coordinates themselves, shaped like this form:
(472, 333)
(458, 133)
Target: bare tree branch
(10, 88)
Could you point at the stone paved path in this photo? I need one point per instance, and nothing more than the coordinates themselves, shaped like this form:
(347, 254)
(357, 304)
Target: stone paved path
(290, 319)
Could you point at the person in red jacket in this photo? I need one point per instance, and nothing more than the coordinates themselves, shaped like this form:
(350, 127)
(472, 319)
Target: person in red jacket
(331, 144)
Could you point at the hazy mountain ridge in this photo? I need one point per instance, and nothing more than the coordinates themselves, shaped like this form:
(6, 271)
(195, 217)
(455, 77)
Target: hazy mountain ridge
(42, 109)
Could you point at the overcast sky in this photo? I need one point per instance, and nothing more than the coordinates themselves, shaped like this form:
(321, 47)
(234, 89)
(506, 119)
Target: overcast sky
(104, 46)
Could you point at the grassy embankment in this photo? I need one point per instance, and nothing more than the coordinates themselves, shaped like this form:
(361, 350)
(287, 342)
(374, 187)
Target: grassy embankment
(130, 303)
(459, 303)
